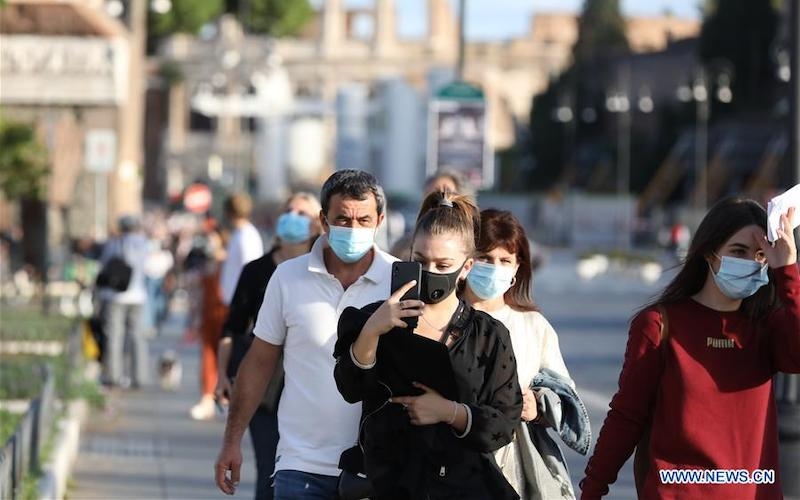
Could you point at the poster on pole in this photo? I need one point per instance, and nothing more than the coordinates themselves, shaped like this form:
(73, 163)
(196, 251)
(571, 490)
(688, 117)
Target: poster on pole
(457, 140)
(100, 150)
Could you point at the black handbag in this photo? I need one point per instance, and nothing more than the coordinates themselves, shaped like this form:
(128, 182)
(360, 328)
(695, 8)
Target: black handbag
(353, 485)
(116, 274)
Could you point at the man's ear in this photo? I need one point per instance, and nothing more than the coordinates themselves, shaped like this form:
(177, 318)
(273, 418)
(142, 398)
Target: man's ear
(381, 218)
(323, 221)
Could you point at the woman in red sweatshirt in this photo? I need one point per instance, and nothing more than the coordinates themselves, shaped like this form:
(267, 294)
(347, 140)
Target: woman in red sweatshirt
(701, 397)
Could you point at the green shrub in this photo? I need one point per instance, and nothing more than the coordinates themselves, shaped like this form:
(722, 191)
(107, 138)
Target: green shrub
(21, 377)
(8, 425)
(31, 324)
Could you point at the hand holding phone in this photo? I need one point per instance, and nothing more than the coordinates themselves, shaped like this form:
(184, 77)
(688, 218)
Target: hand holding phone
(403, 273)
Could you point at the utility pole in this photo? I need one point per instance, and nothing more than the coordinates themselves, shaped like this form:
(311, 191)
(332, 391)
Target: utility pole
(462, 14)
(624, 156)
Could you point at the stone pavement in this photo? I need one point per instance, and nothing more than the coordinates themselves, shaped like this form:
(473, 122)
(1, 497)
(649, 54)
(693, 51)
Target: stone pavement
(145, 446)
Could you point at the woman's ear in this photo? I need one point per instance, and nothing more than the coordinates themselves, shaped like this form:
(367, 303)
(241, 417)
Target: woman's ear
(713, 262)
(467, 268)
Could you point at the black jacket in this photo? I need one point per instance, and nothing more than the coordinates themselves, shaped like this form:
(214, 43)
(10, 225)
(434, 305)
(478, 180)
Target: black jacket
(419, 462)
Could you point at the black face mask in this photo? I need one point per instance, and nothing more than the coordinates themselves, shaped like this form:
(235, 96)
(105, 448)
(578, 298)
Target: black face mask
(436, 287)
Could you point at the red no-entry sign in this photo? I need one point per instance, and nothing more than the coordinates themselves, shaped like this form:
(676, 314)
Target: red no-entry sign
(197, 198)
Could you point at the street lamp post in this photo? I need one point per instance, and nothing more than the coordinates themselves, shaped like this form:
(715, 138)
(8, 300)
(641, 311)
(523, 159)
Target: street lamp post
(618, 102)
(699, 92)
(702, 111)
(565, 115)
(462, 21)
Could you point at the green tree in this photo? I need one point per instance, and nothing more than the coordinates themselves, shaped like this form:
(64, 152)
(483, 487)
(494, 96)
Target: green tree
(601, 30)
(23, 170)
(185, 16)
(271, 17)
(601, 36)
(741, 33)
(276, 18)
(23, 161)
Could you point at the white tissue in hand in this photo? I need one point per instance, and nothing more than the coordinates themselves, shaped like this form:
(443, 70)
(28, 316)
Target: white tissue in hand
(778, 206)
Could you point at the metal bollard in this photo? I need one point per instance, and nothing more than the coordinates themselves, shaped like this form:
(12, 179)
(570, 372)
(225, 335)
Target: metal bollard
(787, 394)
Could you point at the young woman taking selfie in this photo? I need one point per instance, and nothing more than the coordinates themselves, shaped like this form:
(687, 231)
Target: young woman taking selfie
(416, 442)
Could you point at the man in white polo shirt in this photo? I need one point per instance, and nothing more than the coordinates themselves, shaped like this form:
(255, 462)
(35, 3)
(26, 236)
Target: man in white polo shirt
(299, 316)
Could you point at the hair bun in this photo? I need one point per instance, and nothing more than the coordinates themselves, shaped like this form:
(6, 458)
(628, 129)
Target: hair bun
(445, 202)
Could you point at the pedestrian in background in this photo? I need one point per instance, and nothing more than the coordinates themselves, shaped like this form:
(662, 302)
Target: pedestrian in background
(245, 243)
(158, 264)
(443, 181)
(212, 313)
(122, 309)
(296, 230)
(696, 390)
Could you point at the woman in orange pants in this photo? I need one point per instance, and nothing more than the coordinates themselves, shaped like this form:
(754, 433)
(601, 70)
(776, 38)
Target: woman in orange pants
(212, 317)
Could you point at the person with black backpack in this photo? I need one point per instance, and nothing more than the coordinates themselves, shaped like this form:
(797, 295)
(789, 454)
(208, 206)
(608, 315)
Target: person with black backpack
(122, 293)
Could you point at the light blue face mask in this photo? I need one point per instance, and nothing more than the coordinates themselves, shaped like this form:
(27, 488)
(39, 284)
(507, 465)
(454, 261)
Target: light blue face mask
(488, 281)
(350, 243)
(293, 228)
(740, 278)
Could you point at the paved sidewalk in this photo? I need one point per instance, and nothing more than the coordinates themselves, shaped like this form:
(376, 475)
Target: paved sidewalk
(145, 446)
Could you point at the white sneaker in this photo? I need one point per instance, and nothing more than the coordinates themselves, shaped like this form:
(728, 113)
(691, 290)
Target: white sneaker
(204, 410)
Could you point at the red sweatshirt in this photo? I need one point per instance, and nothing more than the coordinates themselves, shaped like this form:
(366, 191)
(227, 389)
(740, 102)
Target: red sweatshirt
(709, 394)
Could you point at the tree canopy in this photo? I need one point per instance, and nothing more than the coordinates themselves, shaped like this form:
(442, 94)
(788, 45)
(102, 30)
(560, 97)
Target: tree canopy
(601, 35)
(271, 17)
(23, 161)
(741, 34)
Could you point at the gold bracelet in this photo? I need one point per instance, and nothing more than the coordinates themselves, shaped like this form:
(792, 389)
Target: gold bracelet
(455, 413)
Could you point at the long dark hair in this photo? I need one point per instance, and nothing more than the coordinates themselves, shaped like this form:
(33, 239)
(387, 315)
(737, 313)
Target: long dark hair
(725, 219)
(500, 228)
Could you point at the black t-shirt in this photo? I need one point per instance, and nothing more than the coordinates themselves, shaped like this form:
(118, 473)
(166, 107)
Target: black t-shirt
(244, 307)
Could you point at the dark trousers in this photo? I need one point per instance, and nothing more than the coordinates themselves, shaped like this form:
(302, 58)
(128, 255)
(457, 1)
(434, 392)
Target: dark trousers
(264, 433)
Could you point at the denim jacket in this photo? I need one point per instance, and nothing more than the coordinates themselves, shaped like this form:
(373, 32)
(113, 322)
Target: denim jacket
(543, 464)
(569, 419)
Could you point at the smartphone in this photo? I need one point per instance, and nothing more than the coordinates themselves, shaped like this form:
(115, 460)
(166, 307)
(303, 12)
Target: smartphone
(402, 273)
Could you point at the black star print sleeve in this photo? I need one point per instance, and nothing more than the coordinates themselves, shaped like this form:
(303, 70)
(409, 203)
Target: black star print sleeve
(498, 405)
(354, 383)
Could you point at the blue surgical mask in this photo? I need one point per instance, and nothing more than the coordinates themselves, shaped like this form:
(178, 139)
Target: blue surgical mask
(293, 228)
(350, 244)
(488, 281)
(740, 278)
